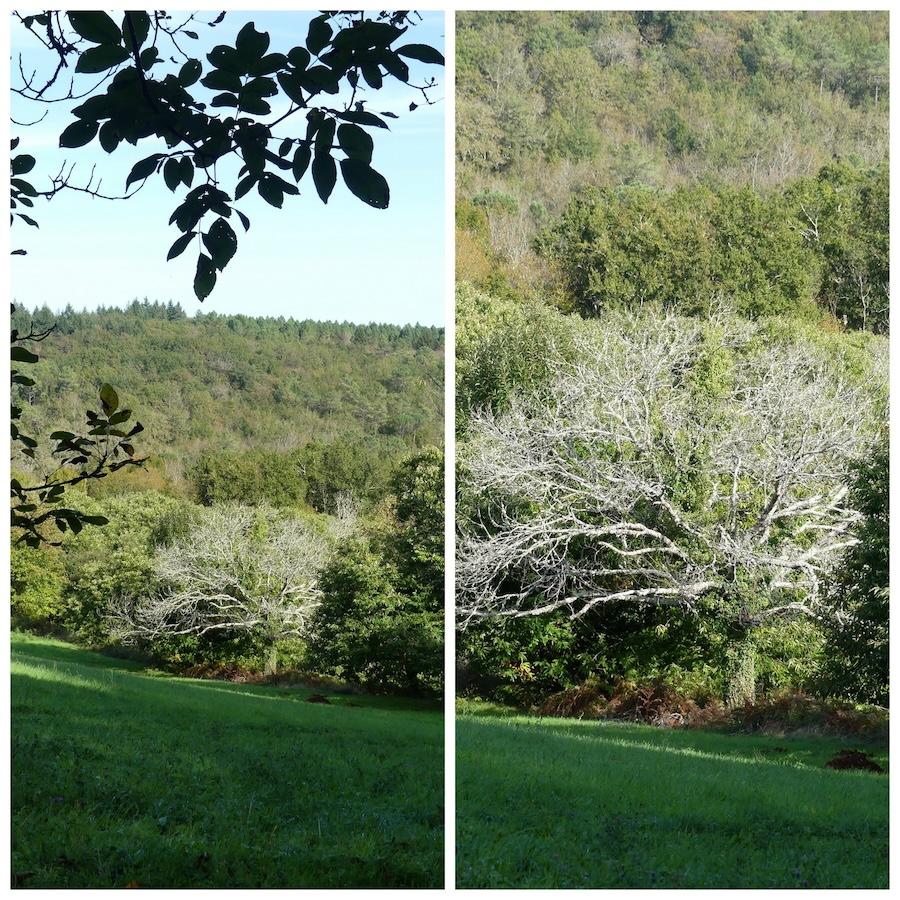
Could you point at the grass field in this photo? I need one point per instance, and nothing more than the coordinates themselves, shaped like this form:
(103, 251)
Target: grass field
(564, 803)
(123, 778)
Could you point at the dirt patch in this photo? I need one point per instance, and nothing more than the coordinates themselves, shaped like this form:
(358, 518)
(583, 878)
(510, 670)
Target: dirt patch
(853, 759)
(317, 698)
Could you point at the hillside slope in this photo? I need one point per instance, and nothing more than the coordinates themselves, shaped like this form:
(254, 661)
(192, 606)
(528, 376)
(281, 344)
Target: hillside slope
(120, 779)
(213, 383)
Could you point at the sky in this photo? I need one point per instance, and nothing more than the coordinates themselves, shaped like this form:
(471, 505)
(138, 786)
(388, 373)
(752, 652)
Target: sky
(340, 261)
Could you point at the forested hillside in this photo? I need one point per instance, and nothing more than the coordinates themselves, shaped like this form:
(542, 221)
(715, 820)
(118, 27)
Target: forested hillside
(295, 463)
(232, 391)
(716, 183)
(769, 119)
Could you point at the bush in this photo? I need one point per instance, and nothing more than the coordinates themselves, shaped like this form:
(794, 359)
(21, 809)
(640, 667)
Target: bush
(366, 631)
(857, 649)
(101, 563)
(37, 582)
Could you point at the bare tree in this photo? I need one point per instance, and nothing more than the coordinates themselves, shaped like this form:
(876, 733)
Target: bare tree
(241, 570)
(654, 470)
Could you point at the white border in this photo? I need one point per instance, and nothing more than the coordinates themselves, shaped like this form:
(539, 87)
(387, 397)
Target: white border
(449, 479)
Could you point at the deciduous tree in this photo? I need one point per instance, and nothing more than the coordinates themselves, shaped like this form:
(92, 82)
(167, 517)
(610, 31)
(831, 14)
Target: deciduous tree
(667, 462)
(240, 570)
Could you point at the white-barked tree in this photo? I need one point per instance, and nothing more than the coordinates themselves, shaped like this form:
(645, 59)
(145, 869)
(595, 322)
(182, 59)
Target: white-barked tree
(238, 570)
(666, 462)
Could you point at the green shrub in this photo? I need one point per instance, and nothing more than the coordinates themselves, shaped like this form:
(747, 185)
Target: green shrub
(37, 582)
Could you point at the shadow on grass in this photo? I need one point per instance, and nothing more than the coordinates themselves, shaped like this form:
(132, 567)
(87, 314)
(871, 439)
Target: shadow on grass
(52, 651)
(48, 650)
(173, 783)
(601, 807)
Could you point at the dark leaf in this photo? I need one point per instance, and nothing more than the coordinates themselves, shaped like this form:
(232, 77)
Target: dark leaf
(204, 280)
(290, 84)
(270, 190)
(140, 22)
(24, 187)
(253, 104)
(96, 27)
(123, 415)
(365, 183)
(109, 398)
(355, 142)
(319, 35)
(261, 86)
(251, 44)
(269, 64)
(99, 59)
(244, 220)
(190, 72)
(324, 173)
(244, 185)
(180, 245)
(301, 161)
(109, 137)
(298, 58)
(372, 73)
(361, 117)
(395, 65)
(224, 57)
(320, 78)
(221, 242)
(220, 80)
(148, 58)
(172, 173)
(224, 100)
(187, 171)
(22, 164)
(142, 169)
(421, 52)
(20, 354)
(325, 136)
(78, 134)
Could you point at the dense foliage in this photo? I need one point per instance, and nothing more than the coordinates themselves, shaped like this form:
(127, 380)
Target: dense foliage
(551, 99)
(692, 464)
(330, 427)
(857, 647)
(709, 165)
(676, 145)
(381, 618)
(819, 246)
(219, 395)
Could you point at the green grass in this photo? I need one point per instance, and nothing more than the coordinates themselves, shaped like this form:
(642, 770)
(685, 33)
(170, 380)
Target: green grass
(561, 803)
(119, 777)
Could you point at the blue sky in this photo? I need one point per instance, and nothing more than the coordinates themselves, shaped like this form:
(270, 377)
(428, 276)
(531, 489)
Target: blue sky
(342, 261)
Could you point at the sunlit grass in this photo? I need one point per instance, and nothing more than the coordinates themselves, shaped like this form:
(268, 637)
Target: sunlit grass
(564, 803)
(120, 778)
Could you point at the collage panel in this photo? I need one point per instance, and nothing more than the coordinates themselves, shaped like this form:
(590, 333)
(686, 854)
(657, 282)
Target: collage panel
(672, 449)
(227, 465)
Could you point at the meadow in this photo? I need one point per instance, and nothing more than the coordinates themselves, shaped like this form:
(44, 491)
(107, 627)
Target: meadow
(124, 776)
(556, 803)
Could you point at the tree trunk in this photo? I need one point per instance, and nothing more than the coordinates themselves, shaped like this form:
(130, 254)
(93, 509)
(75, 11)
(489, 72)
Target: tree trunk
(272, 660)
(740, 685)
